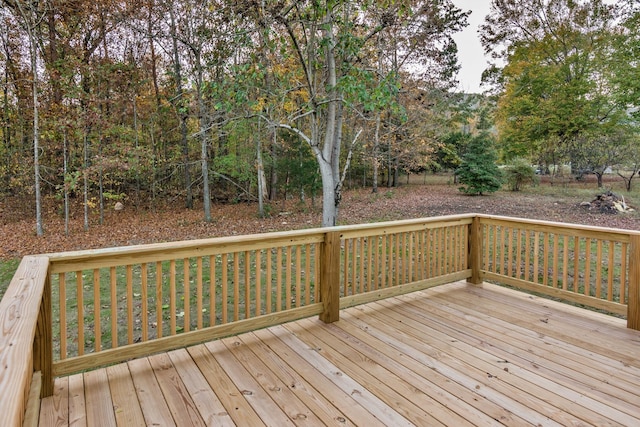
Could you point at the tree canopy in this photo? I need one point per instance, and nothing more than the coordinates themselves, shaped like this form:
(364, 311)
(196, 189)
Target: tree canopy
(566, 89)
(200, 100)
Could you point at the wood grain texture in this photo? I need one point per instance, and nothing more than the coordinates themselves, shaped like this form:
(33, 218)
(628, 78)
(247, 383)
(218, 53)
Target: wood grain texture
(456, 354)
(19, 313)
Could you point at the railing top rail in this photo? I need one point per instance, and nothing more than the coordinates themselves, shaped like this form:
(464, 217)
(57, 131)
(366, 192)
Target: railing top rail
(19, 309)
(620, 233)
(97, 258)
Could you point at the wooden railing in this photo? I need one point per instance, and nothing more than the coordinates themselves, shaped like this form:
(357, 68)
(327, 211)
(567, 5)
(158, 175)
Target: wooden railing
(590, 266)
(69, 312)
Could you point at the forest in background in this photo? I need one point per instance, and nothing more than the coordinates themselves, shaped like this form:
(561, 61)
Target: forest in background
(145, 102)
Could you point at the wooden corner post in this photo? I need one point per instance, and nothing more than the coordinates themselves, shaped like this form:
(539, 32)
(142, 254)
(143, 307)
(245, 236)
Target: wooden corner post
(42, 344)
(633, 303)
(330, 277)
(475, 251)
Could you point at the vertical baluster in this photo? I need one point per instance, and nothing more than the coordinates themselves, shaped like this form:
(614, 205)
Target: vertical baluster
(114, 307)
(129, 270)
(376, 264)
(554, 268)
(268, 279)
(80, 311)
(536, 256)
(545, 258)
(97, 326)
(354, 260)
(145, 300)
(287, 273)
(410, 255)
(225, 288)
(554, 260)
(186, 294)
(159, 316)
(487, 246)
(369, 281)
(565, 262)
(212, 290)
(518, 249)
(598, 265)
(397, 256)
(623, 273)
(576, 263)
(298, 295)
(361, 265)
(510, 252)
(62, 283)
(199, 294)
(258, 282)
(347, 268)
(611, 267)
(236, 286)
(587, 267)
(316, 270)
(279, 280)
(172, 297)
(247, 284)
(384, 260)
(527, 255)
(307, 272)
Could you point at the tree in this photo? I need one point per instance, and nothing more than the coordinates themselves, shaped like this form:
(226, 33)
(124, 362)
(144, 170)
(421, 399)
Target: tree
(478, 172)
(30, 15)
(519, 173)
(557, 80)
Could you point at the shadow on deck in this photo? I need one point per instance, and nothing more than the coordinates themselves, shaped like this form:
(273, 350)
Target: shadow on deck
(457, 355)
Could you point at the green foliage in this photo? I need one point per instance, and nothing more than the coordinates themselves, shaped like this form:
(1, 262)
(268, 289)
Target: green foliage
(519, 173)
(7, 270)
(554, 98)
(478, 172)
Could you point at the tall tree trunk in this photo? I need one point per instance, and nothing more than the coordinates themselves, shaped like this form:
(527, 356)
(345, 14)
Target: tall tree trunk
(36, 134)
(204, 139)
(65, 171)
(85, 192)
(30, 24)
(181, 109)
(262, 181)
(374, 153)
(273, 181)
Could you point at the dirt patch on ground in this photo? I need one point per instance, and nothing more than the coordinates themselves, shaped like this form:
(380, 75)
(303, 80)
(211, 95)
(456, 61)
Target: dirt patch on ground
(170, 223)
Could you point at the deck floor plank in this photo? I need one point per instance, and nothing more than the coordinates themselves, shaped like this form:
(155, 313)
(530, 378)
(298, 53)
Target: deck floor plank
(77, 403)
(340, 397)
(211, 409)
(264, 375)
(556, 319)
(180, 404)
(452, 395)
(230, 396)
(98, 399)
(551, 363)
(532, 409)
(54, 410)
(528, 379)
(624, 353)
(127, 409)
(154, 407)
(323, 404)
(390, 387)
(261, 401)
(452, 355)
(536, 344)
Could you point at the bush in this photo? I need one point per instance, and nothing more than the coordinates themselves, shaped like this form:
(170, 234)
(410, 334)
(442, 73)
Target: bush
(478, 172)
(520, 173)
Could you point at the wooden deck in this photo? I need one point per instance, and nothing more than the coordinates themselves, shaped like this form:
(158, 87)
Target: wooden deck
(453, 355)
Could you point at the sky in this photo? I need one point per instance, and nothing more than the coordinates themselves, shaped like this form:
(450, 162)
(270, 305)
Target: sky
(470, 52)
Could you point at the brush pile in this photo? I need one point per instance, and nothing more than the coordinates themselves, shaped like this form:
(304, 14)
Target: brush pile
(609, 203)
